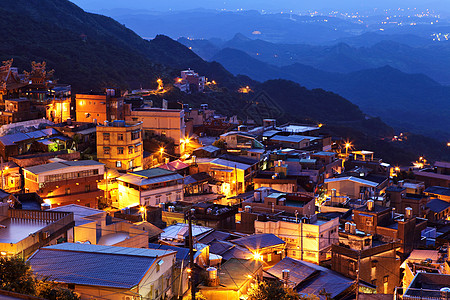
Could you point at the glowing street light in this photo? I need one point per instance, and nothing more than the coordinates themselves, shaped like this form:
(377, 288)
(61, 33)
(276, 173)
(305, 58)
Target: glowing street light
(257, 256)
(347, 146)
(161, 150)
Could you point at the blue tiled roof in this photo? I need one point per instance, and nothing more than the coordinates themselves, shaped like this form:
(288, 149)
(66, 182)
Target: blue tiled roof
(437, 206)
(83, 264)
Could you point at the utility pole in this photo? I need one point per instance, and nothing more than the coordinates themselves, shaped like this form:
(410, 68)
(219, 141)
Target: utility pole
(357, 275)
(191, 254)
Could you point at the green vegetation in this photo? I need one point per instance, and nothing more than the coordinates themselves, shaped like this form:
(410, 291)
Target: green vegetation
(16, 276)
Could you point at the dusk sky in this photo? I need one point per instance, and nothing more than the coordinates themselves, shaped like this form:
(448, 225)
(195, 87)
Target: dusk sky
(95, 5)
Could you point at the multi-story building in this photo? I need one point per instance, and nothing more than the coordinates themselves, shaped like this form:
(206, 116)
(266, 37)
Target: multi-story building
(100, 107)
(119, 145)
(59, 107)
(382, 221)
(161, 122)
(190, 82)
(66, 182)
(307, 239)
(17, 110)
(378, 262)
(149, 187)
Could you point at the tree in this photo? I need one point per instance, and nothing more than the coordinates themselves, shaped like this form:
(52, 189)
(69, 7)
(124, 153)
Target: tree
(270, 290)
(16, 276)
(219, 144)
(50, 290)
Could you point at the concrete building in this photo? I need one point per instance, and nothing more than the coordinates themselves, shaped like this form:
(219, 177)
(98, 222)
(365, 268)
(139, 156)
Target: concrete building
(308, 239)
(66, 182)
(142, 273)
(119, 145)
(383, 222)
(149, 187)
(99, 107)
(161, 122)
(379, 263)
(17, 110)
(24, 231)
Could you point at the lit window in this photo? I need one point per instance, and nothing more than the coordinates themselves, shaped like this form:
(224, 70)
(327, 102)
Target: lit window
(118, 164)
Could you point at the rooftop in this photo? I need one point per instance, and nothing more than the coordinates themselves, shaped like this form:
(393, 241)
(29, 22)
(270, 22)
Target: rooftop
(297, 270)
(154, 172)
(39, 169)
(259, 241)
(292, 138)
(80, 213)
(354, 179)
(95, 265)
(438, 190)
(235, 272)
(135, 179)
(437, 205)
(298, 128)
(180, 230)
(16, 230)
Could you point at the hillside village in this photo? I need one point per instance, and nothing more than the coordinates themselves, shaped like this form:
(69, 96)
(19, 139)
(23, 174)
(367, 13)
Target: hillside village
(113, 196)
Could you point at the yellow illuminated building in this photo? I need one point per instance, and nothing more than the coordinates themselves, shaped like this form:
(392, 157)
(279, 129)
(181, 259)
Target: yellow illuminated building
(58, 110)
(119, 145)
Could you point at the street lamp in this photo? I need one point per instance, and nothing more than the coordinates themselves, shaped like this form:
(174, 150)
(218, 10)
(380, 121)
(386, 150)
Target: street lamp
(347, 145)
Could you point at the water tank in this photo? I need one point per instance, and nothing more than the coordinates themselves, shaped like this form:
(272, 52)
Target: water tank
(46, 206)
(353, 228)
(257, 196)
(408, 213)
(305, 220)
(213, 279)
(286, 274)
(370, 204)
(171, 208)
(347, 226)
(248, 209)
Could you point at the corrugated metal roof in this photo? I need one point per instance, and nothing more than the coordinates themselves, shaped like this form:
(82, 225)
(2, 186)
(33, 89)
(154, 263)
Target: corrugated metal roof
(173, 232)
(292, 138)
(354, 179)
(259, 241)
(141, 181)
(437, 206)
(326, 280)
(11, 139)
(91, 268)
(154, 172)
(438, 190)
(230, 164)
(61, 165)
(208, 149)
(297, 270)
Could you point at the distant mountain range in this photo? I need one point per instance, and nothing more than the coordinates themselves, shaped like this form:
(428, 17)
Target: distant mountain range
(411, 102)
(91, 51)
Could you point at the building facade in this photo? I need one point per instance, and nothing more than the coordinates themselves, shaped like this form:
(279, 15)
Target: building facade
(119, 145)
(66, 182)
(100, 107)
(161, 122)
